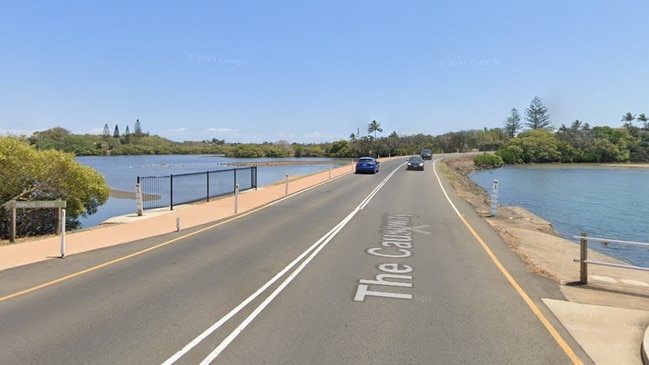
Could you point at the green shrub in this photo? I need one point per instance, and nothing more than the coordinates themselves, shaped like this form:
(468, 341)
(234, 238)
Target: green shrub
(511, 154)
(488, 161)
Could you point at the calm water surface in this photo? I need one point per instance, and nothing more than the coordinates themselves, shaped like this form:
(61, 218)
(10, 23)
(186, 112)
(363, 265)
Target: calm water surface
(604, 202)
(121, 173)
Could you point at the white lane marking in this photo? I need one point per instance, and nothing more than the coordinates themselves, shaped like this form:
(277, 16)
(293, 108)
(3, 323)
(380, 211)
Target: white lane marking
(228, 340)
(419, 229)
(243, 304)
(376, 190)
(317, 246)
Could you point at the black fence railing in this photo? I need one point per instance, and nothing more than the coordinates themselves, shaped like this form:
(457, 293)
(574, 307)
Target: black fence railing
(171, 190)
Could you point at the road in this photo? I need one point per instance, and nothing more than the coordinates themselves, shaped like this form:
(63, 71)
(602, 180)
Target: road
(364, 269)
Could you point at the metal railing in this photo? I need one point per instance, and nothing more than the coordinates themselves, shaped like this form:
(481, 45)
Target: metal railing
(584, 261)
(171, 190)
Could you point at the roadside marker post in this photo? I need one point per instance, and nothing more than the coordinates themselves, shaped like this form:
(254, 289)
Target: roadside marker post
(138, 199)
(178, 224)
(583, 257)
(62, 232)
(286, 184)
(494, 198)
(236, 198)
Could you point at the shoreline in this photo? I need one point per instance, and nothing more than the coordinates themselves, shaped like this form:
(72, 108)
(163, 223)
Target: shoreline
(533, 238)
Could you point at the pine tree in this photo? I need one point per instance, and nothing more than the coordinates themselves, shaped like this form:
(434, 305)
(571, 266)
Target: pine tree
(138, 128)
(106, 133)
(116, 132)
(513, 124)
(537, 116)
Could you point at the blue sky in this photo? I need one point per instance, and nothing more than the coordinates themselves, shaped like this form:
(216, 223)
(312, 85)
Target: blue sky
(311, 72)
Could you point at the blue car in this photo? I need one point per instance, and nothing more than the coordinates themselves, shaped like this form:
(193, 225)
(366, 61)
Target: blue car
(367, 164)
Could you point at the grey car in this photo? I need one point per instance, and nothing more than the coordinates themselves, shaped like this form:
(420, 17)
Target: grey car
(415, 163)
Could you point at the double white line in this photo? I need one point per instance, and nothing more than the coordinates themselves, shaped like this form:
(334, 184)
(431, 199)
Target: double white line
(311, 252)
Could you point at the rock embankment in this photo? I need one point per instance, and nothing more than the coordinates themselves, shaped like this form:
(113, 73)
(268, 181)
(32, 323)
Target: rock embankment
(546, 253)
(525, 232)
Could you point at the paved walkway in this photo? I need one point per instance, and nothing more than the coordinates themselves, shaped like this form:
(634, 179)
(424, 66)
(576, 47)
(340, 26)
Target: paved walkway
(156, 222)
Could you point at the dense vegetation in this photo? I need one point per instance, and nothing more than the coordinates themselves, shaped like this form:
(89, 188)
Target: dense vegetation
(28, 174)
(577, 143)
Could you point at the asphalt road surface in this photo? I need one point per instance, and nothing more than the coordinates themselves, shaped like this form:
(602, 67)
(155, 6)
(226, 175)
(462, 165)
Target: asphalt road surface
(365, 269)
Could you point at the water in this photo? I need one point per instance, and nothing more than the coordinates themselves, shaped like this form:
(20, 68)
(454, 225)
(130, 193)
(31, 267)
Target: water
(604, 202)
(121, 173)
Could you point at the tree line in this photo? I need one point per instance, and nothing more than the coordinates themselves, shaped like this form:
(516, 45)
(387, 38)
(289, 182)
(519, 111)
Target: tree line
(42, 166)
(576, 143)
(530, 137)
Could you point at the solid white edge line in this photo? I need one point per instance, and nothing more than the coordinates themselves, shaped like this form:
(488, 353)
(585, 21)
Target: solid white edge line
(439, 181)
(522, 293)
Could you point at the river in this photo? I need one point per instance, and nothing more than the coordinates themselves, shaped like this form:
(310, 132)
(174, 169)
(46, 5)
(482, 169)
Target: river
(603, 202)
(121, 173)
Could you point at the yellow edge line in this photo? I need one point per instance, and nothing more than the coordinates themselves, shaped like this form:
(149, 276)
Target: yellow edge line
(535, 309)
(105, 264)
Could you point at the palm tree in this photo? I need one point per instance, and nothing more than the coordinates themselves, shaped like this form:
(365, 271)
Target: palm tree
(643, 118)
(628, 118)
(374, 127)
